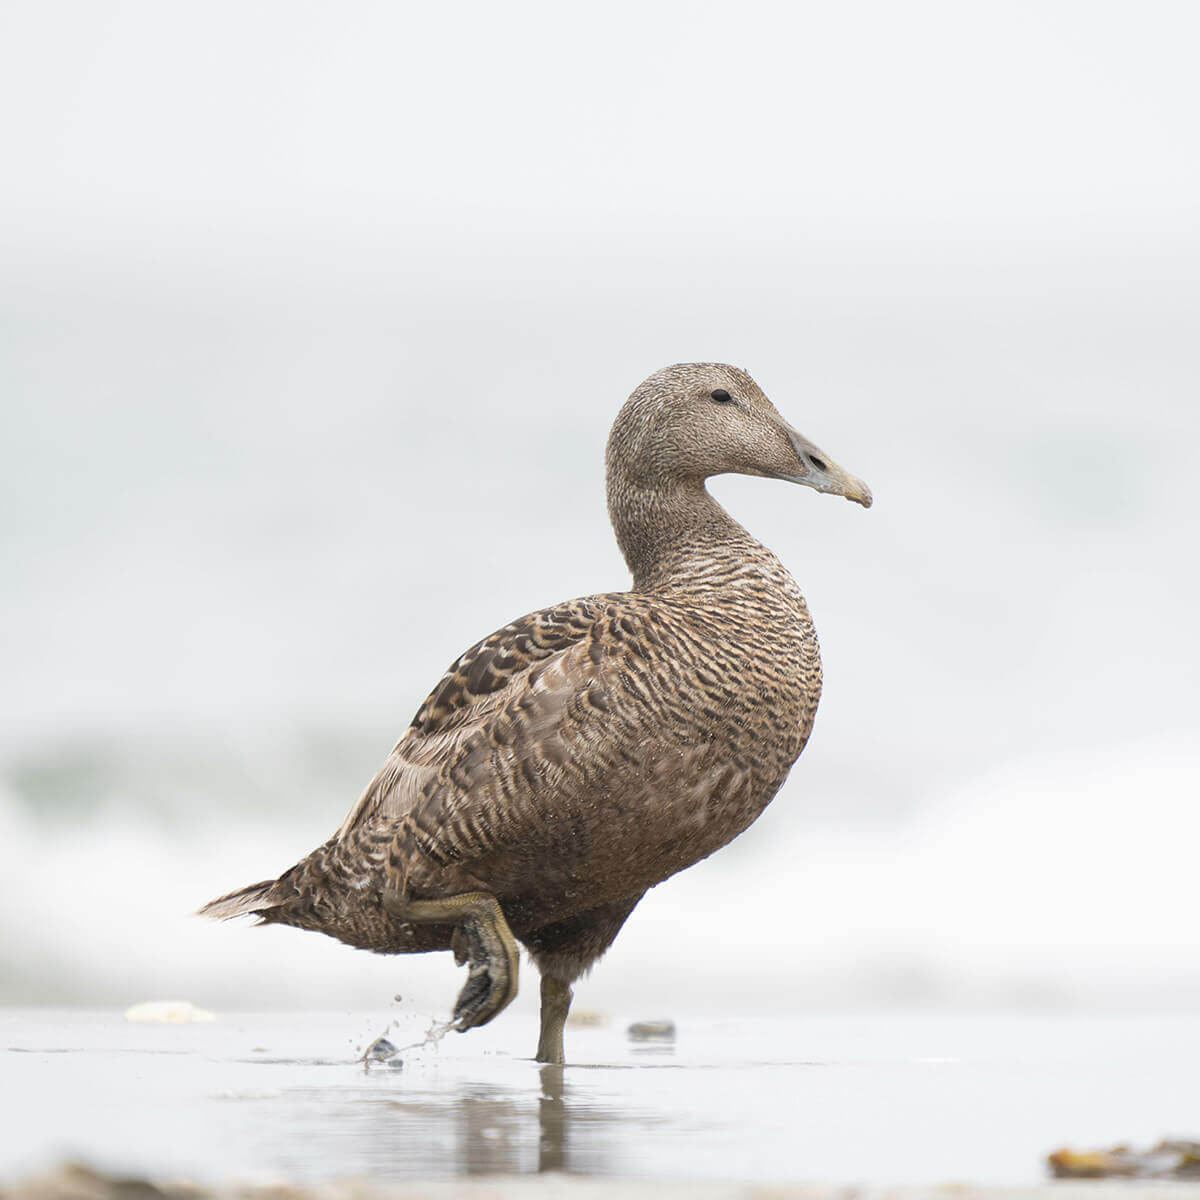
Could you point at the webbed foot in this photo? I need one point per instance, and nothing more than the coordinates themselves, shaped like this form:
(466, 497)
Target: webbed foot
(482, 939)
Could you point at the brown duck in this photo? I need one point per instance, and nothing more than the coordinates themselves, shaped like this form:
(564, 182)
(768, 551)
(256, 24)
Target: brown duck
(584, 753)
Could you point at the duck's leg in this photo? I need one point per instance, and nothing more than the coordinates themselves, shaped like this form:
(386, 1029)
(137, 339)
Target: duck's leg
(556, 1003)
(482, 938)
(563, 951)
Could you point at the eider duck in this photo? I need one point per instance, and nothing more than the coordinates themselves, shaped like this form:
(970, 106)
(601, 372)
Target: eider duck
(584, 753)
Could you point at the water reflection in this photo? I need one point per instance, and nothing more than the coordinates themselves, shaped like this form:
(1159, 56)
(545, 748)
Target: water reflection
(552, 1121)
(535, 1119)
(487, 1136)
(557, 1128)
(471, 1127)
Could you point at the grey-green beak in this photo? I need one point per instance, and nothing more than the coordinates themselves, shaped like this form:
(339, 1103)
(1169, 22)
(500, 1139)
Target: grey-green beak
(820, 472)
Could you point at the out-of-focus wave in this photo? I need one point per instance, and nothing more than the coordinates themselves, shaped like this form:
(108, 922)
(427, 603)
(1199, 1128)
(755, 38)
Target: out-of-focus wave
(98, 901)
(1060, 882)
(1063, 882)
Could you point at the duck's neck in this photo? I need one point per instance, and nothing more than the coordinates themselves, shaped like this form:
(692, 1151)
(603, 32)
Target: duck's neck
(677, 537)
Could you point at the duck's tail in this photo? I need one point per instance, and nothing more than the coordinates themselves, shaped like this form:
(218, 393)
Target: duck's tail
(258, 898)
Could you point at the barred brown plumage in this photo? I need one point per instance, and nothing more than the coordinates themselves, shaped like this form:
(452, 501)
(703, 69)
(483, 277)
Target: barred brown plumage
(581, 754)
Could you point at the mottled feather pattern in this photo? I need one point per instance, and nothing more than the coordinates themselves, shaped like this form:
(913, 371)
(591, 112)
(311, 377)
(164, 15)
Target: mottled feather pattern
(583, 723)
(583, 753)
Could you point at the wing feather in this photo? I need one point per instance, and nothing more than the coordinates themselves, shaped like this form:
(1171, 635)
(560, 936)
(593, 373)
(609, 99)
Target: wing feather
(493, 694)
(530, 745)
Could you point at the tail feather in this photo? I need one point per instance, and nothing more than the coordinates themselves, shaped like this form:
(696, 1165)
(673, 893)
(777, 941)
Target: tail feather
(257, 898)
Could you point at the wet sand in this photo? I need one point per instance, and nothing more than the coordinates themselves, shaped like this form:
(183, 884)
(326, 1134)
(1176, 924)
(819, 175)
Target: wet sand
(875, 1101)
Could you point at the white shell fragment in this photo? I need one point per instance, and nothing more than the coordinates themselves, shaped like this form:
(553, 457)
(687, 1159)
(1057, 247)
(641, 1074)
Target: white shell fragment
(168, 1012)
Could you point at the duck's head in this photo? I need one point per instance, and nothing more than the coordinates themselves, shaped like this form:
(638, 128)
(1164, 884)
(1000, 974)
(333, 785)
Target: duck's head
(688, 422)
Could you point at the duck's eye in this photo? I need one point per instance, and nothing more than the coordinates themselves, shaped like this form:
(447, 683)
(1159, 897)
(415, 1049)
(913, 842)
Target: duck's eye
(721, 396)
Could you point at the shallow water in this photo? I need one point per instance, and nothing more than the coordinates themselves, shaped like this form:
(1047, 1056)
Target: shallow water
(871, 1099)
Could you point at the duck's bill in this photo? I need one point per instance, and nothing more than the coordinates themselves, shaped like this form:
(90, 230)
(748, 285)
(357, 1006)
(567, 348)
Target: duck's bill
(818, 471)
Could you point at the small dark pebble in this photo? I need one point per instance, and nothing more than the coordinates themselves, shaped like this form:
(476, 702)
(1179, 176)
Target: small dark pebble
(381, 1050)
(652, 1031)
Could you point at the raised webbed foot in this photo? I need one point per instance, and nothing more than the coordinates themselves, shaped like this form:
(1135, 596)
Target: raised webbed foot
(482, 939)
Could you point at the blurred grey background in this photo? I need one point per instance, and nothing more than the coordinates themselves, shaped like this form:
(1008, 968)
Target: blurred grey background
(314, 318)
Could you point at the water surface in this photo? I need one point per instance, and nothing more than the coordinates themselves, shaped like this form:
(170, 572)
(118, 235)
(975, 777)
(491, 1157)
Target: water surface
(868, 1099)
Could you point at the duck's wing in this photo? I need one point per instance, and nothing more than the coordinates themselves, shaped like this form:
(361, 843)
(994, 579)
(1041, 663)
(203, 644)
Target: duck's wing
(500, 771)
(511, 679)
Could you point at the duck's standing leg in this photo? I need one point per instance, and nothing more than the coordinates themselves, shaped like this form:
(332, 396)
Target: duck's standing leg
(482, 938)
(556, 1003)
(563, 951)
